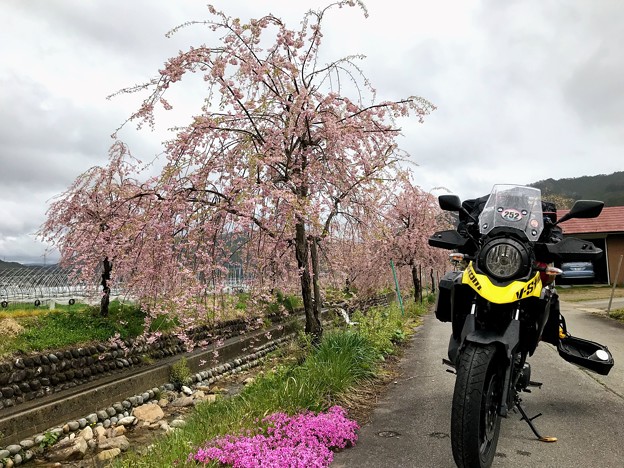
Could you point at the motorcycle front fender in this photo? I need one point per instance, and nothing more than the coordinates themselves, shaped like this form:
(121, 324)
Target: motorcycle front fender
(507, 341)
(507, 344)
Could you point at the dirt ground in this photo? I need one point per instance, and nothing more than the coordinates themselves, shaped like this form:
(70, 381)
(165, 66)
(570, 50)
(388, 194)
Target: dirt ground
(587, 292)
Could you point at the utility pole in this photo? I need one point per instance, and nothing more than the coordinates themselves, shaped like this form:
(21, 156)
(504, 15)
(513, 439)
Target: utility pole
(617, 275)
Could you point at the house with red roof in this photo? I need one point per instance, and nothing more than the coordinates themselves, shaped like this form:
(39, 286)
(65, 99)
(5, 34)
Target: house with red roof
(606, 232)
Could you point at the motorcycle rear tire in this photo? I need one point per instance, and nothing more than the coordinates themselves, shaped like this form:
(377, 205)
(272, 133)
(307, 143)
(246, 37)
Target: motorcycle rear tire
(475, 422)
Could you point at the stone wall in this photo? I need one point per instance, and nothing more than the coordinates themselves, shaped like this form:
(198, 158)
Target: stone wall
(35, 376)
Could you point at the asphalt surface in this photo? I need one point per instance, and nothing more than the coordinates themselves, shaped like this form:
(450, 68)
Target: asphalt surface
(410, 425)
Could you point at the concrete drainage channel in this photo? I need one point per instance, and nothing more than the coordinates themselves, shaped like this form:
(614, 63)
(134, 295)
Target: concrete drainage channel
(74, 433)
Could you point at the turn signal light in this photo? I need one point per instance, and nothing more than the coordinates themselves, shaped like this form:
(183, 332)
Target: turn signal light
(457, 257)
(553, 271)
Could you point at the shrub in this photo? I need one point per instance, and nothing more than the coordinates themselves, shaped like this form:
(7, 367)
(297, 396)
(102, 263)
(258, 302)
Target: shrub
(180, 373)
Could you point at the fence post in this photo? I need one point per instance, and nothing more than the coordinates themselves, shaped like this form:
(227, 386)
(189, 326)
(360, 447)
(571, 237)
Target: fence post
(617, 275)
(396, 285)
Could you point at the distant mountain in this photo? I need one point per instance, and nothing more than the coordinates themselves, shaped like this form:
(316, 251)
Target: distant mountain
(6, 265)
(608, 188)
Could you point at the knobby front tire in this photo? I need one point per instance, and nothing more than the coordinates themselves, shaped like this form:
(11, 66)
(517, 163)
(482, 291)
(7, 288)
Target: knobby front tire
(475, 422)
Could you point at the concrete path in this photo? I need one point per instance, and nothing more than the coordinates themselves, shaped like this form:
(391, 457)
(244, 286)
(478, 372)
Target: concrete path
(411, 423)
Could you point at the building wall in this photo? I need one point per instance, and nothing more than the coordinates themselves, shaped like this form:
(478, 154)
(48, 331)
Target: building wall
(615, 248)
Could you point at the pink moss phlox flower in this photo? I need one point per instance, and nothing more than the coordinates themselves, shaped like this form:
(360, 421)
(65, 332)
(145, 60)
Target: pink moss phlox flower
(301, 441)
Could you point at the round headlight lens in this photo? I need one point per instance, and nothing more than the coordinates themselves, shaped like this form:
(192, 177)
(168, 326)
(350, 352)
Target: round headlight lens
(503, 260)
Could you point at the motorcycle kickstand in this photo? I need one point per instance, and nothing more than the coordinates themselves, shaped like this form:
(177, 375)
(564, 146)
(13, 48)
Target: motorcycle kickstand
(529, 421)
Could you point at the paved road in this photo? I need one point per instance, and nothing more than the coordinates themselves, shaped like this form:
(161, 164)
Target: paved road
(411, 423)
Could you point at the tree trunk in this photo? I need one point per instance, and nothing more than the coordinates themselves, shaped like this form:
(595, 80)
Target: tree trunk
(433, 286)
(301, 252)
(104, 302)
(318, 302)
(416, 283)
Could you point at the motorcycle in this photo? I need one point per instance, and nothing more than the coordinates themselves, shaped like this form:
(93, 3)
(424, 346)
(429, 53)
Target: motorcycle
(501, 304)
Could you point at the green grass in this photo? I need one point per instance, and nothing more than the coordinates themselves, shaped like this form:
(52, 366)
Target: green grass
(308, 379)
(77, 324)
(618, 315)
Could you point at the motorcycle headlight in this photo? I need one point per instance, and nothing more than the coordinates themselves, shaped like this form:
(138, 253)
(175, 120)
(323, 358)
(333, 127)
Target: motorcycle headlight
(504, 259)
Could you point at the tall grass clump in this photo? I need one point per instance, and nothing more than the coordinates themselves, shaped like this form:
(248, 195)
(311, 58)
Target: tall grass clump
(387, 326)
(343, 361)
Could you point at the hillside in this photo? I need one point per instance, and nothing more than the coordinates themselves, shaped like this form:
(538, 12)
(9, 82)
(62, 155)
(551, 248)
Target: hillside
(608, 188)
(6, 265)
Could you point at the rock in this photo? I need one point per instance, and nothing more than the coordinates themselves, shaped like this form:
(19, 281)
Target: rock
(64, 442)
(203, 388)
(100, 431)
(248, 380)
(13, 449)
(120, 442)
(127, 421)
(178, 423)
(210, 398)
(92, 444)
(163, 402)
(183, 402)
(102, 415)
(118, 431)
(108, 454)
(4, 454)
(26, 444)
(199, 395)
(17, 459)
(86, 433)
(73, 425)
(186, 390)
(149, 413)
(82, 422)
(75, 451)
(92, 418)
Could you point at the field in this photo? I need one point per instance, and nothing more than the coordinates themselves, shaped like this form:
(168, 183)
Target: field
(587, 293)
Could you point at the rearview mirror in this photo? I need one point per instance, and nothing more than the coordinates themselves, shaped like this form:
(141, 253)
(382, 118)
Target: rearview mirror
(450, 202)
(583, 209)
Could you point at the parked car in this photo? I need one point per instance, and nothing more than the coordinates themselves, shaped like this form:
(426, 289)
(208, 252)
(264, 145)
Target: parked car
(577, 270)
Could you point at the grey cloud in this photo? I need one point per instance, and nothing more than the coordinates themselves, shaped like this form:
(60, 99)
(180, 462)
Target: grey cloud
(47, 140)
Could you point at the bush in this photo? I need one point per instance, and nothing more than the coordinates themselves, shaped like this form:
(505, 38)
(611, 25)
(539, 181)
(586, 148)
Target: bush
(180, 373)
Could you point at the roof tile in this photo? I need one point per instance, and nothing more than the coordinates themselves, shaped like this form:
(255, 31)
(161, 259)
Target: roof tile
(610, 220)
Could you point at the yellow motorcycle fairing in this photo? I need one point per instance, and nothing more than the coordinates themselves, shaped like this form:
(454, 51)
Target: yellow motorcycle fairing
(513, 292)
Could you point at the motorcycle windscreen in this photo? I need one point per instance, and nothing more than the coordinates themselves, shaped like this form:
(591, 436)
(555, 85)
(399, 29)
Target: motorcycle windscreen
(513, 206)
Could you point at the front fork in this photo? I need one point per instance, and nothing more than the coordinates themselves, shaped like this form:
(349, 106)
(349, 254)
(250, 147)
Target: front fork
(508, 343)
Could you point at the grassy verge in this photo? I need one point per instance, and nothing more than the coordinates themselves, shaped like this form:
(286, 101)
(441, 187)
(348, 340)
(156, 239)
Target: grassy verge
(25, 328)
(587, 293)
(617, 315)
(307, 378)
(41, 329)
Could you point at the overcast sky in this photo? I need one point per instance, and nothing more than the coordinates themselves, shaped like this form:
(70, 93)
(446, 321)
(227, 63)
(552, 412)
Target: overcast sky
(525, 90)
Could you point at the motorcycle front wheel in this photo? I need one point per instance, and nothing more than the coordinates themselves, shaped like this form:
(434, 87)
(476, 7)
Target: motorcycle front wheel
(475, 422)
